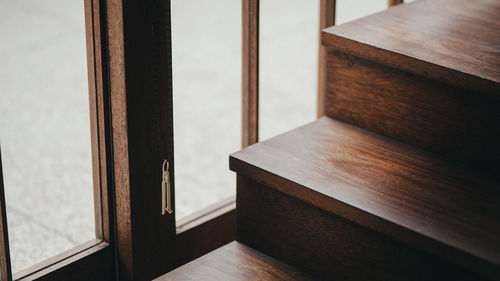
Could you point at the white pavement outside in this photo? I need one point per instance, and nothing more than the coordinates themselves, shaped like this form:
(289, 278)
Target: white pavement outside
(44, 118)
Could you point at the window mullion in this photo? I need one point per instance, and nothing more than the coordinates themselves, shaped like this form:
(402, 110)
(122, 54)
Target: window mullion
(5, 269)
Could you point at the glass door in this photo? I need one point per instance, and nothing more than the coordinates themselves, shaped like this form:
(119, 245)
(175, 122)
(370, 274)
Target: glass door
(45, 129)
(55, 212)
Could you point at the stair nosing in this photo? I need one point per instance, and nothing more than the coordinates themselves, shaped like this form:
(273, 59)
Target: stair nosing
(334, 38)
(439, 244)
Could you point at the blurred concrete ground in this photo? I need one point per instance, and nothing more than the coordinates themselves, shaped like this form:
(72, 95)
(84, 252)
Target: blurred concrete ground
(44, 118)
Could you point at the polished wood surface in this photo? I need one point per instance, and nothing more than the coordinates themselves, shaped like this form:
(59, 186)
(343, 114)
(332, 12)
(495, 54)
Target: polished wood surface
(205, 231)
(456, 41)
(423, 112)
(97, 69)
(328, 246)
(397, 190)
(235, 262)
(141, 107)
(90, 261)
(327, 10)
(250, 80)
(5, 269)
(394, 2)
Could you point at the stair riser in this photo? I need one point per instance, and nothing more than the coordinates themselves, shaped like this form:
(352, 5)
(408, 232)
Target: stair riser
(326, 245)
(418, 111)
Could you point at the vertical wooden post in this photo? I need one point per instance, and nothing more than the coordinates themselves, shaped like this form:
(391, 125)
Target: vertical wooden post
(395, 2)
(99, 119)
(250, 89)
(5, 269)
(326, 19)
(142, 134)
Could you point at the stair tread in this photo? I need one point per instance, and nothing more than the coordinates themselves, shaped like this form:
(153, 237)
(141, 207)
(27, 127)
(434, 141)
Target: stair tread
(235, 261)
(392, 188)
(456, 41)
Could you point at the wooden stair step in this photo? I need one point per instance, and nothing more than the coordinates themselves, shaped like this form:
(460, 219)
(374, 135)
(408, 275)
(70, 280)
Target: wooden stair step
(452, 40)
(389, 188)
(235, 261)
(426, 73)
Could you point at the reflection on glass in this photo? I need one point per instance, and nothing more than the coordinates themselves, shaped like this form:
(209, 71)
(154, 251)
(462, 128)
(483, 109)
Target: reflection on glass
(44, 128)
(206, 38)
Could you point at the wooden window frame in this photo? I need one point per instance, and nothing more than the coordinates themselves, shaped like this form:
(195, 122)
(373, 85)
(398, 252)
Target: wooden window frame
(250, 71)
(93, 260)
(130, 94)
(131, 133)
(209, 228)
(327, 11)
(148, 243)
(250, 55)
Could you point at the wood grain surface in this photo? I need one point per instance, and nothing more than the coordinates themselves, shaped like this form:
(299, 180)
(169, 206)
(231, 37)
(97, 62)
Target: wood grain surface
(413, 109)
(456, 41)
(235, 262)
(397, 190)
(327, 10)
(394, 2)
(328, 246)
(81, 263)
(97, 68)
(142, 125)
(203, 234)
(250, 72)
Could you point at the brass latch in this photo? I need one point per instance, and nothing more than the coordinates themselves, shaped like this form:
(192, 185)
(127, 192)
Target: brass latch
(166, 193)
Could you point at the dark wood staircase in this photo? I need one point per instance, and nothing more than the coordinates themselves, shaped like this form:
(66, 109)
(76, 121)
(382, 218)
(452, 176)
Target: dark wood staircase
(400, 180)
(235, 261)
(344, 203)
(425, 73)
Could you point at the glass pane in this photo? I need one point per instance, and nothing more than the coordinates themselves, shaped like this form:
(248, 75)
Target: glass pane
(348, 10)
(207, 100)
(289, 32)
(44, 128)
